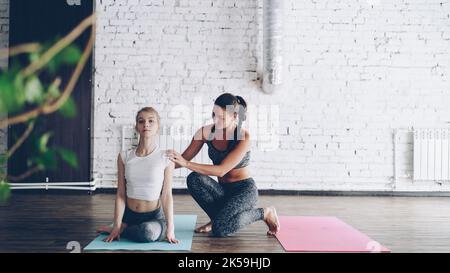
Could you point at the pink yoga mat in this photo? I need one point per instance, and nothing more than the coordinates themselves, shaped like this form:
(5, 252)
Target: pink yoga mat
(323, 234)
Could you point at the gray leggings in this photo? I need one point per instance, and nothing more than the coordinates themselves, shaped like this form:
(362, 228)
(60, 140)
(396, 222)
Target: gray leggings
(144, 227)
(231, 206)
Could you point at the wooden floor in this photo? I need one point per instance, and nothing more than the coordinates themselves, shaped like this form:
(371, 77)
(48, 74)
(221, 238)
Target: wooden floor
(47, 222)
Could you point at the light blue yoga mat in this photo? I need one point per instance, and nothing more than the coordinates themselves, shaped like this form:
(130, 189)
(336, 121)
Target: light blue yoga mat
(184, 231)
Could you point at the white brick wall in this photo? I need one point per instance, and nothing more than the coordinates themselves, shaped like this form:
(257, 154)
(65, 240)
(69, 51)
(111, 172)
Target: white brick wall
(4, 41)
(4, 28)
(355, 71)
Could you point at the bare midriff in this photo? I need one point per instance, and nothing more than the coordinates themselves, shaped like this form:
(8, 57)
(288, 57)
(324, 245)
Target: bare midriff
(141, 206)
(235, 175)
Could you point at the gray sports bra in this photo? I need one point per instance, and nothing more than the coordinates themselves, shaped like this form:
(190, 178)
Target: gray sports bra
(218, 156)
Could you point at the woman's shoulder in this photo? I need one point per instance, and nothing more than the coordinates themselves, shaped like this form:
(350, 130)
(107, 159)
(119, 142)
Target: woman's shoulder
(207, 129)
(125, 154)
(204, 133)
(244, 134)
(162, 155)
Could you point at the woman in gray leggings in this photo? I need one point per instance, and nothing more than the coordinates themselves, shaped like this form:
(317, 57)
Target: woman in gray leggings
(231, 203)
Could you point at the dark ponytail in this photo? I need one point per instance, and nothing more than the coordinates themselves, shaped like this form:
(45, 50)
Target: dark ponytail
(242, 113)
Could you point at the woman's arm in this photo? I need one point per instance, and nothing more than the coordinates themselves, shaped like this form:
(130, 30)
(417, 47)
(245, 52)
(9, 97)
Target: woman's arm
(194, 148)
(120, 201)
(167, 202)
(121, 194)
(232, 159)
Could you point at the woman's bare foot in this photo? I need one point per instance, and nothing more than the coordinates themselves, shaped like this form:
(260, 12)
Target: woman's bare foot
(271, 219)
(204, 229)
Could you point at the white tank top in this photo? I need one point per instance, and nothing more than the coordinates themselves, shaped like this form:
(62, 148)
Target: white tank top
(144, 175)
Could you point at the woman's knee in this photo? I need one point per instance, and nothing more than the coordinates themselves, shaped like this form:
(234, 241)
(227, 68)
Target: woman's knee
(194, 179)
(149, 232)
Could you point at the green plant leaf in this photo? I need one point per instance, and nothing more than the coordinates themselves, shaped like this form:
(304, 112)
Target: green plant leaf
(19, 87)
(69, 109)
(12, 97)
(3, 159)
(52, 67)
(70, 55)
(53, 91)
(43, 142)
(33, 57)
(5, 192)
(34, 90)
(47, 160)
(69, 157)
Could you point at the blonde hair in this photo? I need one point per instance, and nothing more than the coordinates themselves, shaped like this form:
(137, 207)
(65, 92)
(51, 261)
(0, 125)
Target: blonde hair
(149, 110)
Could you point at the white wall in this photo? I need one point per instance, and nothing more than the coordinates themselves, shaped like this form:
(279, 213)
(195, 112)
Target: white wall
(355, 71)
(4, 41)
(4, 28)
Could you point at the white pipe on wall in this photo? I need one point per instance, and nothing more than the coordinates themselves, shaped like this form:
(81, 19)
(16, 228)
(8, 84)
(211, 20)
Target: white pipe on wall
(273, 31)
(54, 184)
(91, 186)
(52, 188)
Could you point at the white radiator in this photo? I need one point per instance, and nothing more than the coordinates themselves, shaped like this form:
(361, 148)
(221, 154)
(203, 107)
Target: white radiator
(168, 140)
(431, 154)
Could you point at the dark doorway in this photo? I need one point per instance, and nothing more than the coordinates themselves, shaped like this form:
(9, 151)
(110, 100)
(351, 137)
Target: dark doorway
(44, 21)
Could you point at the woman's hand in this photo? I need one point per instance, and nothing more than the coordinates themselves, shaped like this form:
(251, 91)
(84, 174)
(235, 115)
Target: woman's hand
(115, 234)
(170, 236)
(177, 158)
